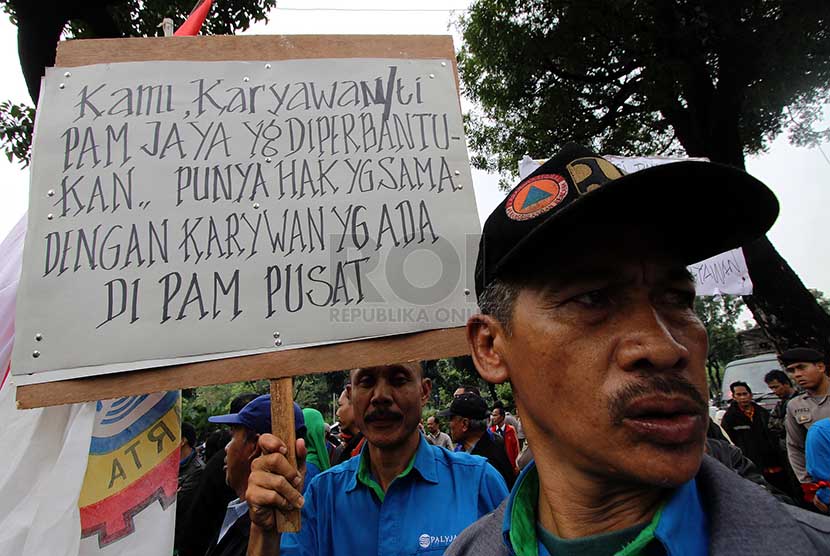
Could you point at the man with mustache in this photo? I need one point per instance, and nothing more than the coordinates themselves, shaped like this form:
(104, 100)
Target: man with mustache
(401, 495)
(587, 308)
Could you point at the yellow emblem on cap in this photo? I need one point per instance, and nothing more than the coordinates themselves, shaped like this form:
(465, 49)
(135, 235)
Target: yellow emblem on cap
(591, 173)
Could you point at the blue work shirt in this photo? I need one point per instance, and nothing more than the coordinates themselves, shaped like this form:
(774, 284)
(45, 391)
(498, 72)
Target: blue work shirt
(680, 526)
(422, 511)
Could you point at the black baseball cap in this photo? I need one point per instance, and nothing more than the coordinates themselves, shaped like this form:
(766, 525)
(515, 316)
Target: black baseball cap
(467, 405)
(698, 208)
(802, 355)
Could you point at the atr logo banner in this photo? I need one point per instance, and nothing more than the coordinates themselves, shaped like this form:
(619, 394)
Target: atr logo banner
(133, 461)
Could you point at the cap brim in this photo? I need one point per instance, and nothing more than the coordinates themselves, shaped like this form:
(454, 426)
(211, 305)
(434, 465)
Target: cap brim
(230, 419)
(698, 209)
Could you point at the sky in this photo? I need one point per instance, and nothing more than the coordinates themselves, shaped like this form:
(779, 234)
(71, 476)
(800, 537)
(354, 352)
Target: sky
(800, 177)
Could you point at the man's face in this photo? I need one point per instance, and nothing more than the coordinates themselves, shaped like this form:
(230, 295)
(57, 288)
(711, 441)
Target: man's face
(238, 459)
(779, 389)
(497, 417)
(742, 396)
(458, 428)
(807, 375)
(432, 426)
(387, 402)
(345, 412)
(618, 334)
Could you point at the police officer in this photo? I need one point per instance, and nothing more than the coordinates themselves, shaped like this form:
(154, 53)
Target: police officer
(810, 373)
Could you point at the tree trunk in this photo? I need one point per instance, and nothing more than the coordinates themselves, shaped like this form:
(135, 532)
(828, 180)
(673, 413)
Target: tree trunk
(786, 311)
(781, 304)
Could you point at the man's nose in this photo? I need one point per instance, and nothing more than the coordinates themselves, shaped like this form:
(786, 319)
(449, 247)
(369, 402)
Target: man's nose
(382, 393)
(648, 344)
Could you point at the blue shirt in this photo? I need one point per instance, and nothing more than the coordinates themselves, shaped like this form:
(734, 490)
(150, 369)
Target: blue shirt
(681, 526)
(422, 511)
(311, 471)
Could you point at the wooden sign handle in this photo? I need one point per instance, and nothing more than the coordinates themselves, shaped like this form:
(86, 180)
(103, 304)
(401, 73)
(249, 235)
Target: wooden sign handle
(282, 426)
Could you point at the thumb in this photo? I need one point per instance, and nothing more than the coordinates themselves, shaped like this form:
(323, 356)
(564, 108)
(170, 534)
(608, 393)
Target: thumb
(301, 452)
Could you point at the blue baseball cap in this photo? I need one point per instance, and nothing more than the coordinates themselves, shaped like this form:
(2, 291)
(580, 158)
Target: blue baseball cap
(257, 416)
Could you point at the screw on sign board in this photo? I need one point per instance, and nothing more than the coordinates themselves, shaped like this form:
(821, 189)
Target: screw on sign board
(215, 209)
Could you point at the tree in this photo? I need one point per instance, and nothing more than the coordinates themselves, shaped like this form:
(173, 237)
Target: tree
(17, 122)
(41, 23)
(201, 403)
(719, 315)
(714, 79)
(821, 299)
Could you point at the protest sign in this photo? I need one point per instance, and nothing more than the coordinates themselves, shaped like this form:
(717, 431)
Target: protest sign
(190, 211)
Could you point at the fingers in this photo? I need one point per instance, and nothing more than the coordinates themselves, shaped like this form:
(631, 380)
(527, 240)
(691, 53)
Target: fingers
(274, 482)
(272, 491)
(270, 444)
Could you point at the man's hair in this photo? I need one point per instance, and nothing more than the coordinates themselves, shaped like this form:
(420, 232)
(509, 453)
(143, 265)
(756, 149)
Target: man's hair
(498, 299)
(470, 389)
(216, 442)
(241, 401)
(739, 383)
(477, 425)
(189, 434)
(779, 375)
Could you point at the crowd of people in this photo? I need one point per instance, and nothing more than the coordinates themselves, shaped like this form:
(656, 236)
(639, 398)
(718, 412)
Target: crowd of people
(775, 441)
(211, 508)
(594, 327)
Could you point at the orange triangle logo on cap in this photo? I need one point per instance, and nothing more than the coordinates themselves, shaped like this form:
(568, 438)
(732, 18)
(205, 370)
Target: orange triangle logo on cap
(536, 196)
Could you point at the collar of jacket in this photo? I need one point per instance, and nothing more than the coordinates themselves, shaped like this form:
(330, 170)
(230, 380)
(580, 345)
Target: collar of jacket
(681, 527)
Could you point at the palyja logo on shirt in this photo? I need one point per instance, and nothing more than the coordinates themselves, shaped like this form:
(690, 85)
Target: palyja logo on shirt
(426, 540)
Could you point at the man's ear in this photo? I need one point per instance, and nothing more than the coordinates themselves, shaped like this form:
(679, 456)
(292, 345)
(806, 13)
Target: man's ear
(255, 449)
(426, 390)
(485, 335)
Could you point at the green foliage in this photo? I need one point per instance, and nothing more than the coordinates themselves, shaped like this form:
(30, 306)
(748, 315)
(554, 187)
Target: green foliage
(320, 391)
(822, 299)
(719, 315)
(625, 77)
(215, 400)
(448, 374)
(309, 391)
(16, 125)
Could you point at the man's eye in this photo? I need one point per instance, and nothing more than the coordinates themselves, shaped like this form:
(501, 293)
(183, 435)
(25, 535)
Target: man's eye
(593, 299)
(682, 298)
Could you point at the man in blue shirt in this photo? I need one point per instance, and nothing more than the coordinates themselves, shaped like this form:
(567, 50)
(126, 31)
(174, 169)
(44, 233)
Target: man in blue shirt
(587, 307)
(400, 496)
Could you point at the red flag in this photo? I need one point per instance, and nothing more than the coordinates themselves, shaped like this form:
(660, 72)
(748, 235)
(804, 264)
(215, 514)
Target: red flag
(195, 20)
